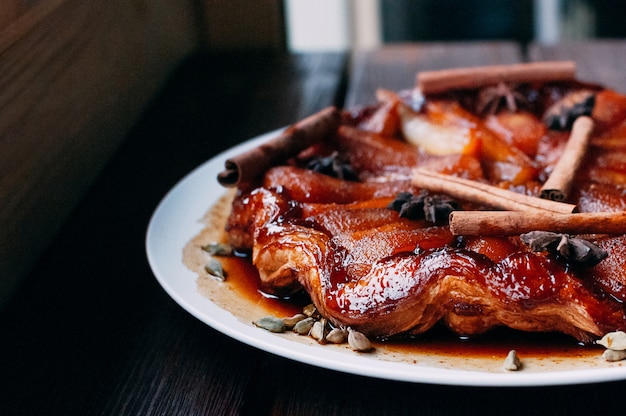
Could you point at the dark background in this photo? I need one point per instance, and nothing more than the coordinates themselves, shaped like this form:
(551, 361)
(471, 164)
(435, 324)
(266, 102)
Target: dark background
(446, 20)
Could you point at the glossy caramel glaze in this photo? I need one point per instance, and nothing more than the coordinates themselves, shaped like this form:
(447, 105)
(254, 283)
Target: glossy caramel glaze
(366, 267)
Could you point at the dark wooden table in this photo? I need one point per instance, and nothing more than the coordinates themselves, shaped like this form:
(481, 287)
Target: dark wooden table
(92, 332)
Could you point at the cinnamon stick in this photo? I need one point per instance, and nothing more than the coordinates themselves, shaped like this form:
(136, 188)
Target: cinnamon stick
(559, 184)
(433, 82)
(504, 223)
(484, 194)
(246, 168)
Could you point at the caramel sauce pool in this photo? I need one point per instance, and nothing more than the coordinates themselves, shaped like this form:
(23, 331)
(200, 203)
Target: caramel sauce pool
(243, 278)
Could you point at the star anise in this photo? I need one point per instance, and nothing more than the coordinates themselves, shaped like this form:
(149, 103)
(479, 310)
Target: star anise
(575, 250)
(562, 114)
(491, 99)
(332, 165)
(433, 208)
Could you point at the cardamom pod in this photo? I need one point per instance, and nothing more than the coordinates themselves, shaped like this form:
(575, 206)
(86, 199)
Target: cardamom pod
(512, 361)
(614, 340)
(304, 326)
(614, 355)
(219, 249)
(310, 310)
(215, 269)
(337, 336)
(292, 321)
(270, 323)
(358, 341)
(317, 331)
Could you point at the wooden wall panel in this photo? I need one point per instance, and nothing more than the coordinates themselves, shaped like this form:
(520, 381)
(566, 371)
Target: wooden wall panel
(74, 76)
(244, 24)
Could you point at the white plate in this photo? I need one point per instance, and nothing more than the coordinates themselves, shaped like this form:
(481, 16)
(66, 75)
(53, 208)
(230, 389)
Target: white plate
(178, 219)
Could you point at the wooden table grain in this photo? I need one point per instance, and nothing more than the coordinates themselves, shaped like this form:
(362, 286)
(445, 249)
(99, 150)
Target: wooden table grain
(91, 332)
